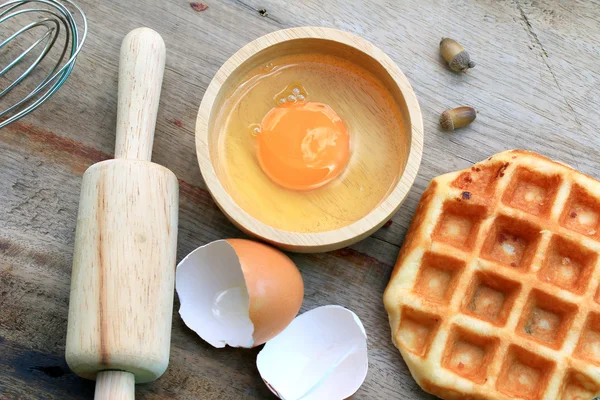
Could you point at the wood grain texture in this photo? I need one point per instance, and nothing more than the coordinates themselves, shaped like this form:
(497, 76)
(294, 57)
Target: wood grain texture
(122, 282)
(115, 385)
(123, 270)
(535, 87)
(291, 41)
(141, 69)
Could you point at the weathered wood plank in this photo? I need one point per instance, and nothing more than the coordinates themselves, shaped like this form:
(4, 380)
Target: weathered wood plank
(535, 85)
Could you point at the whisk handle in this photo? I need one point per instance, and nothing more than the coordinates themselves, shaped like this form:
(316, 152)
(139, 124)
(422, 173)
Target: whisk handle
(141, 70)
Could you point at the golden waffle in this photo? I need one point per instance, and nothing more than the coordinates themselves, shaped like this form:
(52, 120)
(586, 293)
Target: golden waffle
(495, 293)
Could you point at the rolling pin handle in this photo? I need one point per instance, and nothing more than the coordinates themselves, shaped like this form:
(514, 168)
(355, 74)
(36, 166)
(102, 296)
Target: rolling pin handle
(141, 70)
(115, 385)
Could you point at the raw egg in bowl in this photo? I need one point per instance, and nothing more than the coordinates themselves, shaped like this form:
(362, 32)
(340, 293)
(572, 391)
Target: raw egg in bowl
(309, 138)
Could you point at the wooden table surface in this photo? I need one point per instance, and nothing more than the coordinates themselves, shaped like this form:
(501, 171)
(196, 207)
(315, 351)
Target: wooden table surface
(536, 86)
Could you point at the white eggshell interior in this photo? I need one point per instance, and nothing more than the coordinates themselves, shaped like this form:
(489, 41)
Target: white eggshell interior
(322, 354)
(214, 297)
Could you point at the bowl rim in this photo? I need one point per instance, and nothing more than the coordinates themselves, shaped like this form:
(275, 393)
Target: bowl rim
(313, 241)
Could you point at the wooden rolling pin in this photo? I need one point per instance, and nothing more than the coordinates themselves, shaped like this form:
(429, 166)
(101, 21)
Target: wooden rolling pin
(119, 329)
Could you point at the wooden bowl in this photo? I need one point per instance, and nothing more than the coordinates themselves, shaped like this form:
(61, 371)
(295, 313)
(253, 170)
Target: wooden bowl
(316, 40)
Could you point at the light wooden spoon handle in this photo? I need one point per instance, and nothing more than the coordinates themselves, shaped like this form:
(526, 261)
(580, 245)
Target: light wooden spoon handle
(115, 385)
(141, 70)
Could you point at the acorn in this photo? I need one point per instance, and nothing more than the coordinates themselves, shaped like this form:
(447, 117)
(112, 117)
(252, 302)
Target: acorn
(457, 58)
(457, 118)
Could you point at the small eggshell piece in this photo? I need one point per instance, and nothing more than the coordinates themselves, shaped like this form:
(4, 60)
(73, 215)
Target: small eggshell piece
(321, 355)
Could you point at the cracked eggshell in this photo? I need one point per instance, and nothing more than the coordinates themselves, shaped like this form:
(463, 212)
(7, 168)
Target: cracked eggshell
(321, 355)
(238, 292)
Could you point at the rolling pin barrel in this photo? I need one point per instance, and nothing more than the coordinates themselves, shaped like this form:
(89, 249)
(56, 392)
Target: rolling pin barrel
(122, 282)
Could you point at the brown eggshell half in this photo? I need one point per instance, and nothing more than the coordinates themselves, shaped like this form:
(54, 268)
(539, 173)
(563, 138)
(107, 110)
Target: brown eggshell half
(274, 284)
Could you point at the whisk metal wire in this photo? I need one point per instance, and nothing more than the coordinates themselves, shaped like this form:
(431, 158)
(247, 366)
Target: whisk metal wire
(55, 16)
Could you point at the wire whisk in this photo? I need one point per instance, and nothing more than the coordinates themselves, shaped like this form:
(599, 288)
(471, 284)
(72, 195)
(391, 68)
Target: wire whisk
(46, 20)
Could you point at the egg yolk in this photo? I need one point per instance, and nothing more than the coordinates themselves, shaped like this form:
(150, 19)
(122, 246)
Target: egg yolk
(303, 145)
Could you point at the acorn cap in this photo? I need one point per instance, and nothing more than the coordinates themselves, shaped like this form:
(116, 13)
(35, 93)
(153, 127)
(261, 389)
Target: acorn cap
(461, 62)
(446, 121)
